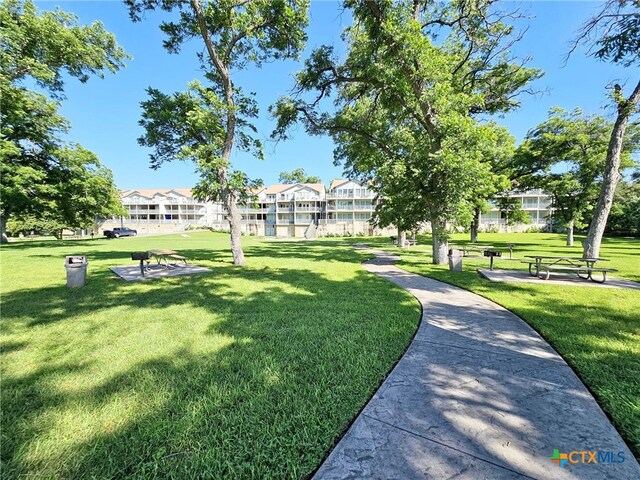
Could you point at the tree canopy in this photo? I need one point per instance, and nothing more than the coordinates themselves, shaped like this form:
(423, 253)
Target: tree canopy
(206, 122)
(566, 155)
(298, 176)
(613, 34)
(41, 173)
(406, 104)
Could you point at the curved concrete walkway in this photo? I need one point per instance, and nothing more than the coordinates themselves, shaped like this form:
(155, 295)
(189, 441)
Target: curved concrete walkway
(478, 394)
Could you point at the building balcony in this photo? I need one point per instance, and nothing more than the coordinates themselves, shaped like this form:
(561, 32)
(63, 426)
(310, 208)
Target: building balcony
(256, 210)
(333, 208)
(332, 195)
(308, 209)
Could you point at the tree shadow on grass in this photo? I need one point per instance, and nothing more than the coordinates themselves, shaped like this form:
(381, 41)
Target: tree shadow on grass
(594, 338)
(263, 386)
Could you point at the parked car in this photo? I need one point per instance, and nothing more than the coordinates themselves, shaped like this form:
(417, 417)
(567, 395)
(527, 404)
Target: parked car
(120, 232)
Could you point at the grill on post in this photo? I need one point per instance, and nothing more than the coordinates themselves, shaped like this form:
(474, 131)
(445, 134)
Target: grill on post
(142, 256)
(491, 254)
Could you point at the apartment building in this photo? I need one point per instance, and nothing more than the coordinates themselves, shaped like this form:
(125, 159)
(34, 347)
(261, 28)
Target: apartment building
(291, 210)
(536, 203)
(309, 210)
(160, 211)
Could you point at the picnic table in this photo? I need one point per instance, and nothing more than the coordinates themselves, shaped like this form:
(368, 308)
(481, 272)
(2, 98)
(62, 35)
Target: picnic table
(409, 242)
(582, 266)
(168, 258)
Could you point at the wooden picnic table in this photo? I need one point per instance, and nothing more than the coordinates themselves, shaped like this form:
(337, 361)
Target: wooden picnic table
(163, 256)
(580, 265)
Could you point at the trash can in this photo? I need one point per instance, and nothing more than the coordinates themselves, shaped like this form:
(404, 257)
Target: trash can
(76, 266)
(455, 260)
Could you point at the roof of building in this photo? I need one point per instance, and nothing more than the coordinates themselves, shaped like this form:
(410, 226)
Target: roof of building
(150, 193)
(281, 187)
(337, 182)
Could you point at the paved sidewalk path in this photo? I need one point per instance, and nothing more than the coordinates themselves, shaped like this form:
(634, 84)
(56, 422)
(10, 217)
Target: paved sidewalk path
(478, 394)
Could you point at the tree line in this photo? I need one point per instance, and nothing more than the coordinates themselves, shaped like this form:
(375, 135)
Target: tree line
(409, 109)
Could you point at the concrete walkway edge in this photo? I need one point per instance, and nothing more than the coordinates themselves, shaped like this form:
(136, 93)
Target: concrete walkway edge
(478, 394)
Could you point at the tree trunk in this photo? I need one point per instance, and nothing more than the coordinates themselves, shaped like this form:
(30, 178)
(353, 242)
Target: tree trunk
(228, 196)
(402, 238)
(475, 224)
(3, 230)
(440, 243)
(591, 244)
(570, 234)
(236, 235)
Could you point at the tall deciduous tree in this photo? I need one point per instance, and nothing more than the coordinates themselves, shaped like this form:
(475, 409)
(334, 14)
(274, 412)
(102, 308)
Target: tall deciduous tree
(235, 33)
(576, 143)
(298, 176)
(405, 104)
(613, 35)
(37, 167)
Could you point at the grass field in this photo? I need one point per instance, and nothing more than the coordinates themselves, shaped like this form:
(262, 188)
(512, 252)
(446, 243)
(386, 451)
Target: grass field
(253, 371)
(243, 372)
(596, 330)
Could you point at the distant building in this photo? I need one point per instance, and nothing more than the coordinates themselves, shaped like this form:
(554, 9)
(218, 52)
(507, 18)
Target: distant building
(535, 202)
(309, 210)
(160, 211)
(297, 210)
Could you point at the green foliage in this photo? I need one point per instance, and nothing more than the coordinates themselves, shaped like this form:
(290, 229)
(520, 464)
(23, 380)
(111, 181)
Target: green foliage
(190, 126)
(298, 176)
(624, 218)
(42, 46)
(206, 122)
(403, 116)
(29, 223)
(512, 210)
(43, 176)
(615, 32)
(578, 142)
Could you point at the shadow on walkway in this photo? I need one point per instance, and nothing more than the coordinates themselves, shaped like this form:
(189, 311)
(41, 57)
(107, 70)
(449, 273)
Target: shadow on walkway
(478, 394)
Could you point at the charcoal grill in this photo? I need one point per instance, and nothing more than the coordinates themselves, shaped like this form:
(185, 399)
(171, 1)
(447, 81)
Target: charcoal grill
(143, 257)
(492, 254)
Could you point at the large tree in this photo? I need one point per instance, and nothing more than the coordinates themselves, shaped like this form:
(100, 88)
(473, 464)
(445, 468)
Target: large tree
(569, 150)
(613, 34)
(405, 104)
(38, 168)
(235, 34)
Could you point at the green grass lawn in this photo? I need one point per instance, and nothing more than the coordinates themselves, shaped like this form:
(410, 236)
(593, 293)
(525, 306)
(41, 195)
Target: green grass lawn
(253, 371)
(242, 372)
(596, 330)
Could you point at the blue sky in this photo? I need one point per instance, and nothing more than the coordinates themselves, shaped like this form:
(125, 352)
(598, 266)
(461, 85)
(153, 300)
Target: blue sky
(104, 114)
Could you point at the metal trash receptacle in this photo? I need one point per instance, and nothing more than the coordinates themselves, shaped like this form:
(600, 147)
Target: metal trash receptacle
(76, 266)
(455, 260)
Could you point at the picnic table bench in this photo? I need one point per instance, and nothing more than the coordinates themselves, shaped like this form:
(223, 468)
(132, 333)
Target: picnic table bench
(409, 242)
(582, 267)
